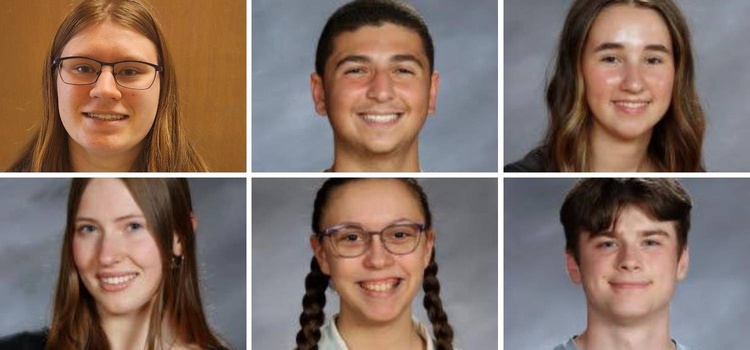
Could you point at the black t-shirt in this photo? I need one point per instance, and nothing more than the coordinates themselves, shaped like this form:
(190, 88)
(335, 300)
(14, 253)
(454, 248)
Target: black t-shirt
(24, 341)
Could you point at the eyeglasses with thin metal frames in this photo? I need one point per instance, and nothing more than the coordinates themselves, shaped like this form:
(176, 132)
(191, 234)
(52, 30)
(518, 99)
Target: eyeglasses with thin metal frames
(57, 62)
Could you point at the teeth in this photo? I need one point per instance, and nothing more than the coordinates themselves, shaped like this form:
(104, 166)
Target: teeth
(118, 279)
(107, 116)
(632, 104)
(380, 118)
(379, 286)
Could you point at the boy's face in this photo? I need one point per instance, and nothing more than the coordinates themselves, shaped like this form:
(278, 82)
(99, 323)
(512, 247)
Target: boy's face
(629, 272)
(377, 90)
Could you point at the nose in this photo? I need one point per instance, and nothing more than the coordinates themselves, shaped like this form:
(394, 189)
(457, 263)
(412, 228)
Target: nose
(106, 86)
(110, 250)
(376, 256)
(381, 87)
(632, 80)
(629, 258)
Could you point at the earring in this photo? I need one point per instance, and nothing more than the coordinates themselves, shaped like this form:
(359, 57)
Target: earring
(176, 261)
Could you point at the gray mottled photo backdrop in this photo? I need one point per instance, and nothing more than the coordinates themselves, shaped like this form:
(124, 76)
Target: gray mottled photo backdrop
(33, 221)
(719, 31)
(289, 136)
(464, 217)
(709, 308)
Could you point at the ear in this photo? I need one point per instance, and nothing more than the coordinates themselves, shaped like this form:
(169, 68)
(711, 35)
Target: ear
(194, 221)
(176, 245)
(434, 85)
(574, 271)
(429, 245)
(683, 265)
(318, 94)
(320, 254)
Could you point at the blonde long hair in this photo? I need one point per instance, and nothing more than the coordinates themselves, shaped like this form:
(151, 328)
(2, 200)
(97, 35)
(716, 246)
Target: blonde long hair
(166, 205)
(677, 139)
(166, 147)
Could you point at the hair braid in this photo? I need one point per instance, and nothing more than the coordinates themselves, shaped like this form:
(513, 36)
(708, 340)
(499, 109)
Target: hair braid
(312, 316)
(434, 305)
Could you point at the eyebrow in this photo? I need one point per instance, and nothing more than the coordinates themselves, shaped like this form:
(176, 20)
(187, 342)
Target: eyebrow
(121, 218)
(121, 58)
(618, 46)
(365, 59)
(646, 233)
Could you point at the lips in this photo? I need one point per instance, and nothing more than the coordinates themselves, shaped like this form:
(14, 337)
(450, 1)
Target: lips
(115, 282)
(632, 106)
(380, 118)
(106, 116)
(629, 284)
(380, 287)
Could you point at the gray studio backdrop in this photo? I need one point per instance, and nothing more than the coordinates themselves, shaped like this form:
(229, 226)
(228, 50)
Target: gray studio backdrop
(287, 134)
(33, 220)
(709, 308)
(465, 219)
(532, 28)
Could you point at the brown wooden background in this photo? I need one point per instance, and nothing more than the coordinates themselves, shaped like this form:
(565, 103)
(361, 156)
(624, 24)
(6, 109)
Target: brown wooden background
(201, 34)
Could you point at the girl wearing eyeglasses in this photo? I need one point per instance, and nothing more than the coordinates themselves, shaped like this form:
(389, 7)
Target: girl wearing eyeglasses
(110, 96)
(373, 243)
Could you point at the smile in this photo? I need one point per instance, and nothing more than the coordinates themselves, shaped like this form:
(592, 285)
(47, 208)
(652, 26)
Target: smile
(115, 283)
(380, 286)
(106, 117)
(632, 106)
(629, 285)
(380, 118)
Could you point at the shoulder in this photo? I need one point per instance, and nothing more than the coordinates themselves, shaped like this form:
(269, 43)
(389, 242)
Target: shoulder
(679, 346)
(534, 161)
(25, 340)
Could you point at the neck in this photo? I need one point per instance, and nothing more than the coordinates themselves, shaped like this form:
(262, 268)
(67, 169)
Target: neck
(128, 331)
(648, 333)
(615, 155)
(404, 159)
(84, 161)
(399, 334)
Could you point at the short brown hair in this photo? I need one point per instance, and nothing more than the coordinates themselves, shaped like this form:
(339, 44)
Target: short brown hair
(592, 205)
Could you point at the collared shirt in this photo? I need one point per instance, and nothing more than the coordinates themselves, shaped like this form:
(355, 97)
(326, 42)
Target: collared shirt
(571, 345)
(330, 339)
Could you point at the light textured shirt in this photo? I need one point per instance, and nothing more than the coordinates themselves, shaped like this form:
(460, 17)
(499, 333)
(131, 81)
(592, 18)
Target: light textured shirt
(571, 345)
(330, 339)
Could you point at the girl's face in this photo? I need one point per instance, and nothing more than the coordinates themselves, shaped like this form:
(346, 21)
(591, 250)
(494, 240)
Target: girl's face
(376, 286)
(114, 250)
(628, 72)
(105, 119)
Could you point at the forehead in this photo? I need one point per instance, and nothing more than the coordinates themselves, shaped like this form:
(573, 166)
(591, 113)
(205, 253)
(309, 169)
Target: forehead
(385, 40)
(626, 24)
(634, 220)
(109, 41)
(374, 203)
(107, 199)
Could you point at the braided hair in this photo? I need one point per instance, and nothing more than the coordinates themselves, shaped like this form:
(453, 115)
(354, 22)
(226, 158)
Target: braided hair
(316, 282)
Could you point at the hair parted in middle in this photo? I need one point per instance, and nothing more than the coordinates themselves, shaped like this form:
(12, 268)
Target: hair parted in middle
(593, 206)
(166, 147)
(312, 317)
(677, 139)
(167, 208)
(359, 13)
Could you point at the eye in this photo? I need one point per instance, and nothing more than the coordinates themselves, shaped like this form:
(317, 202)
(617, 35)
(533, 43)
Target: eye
(134, 226)
(609, 59)
(86, 229)
(606, 244)
(654, 60)
(84, 69)
(651, 242)
(129, 72)
(405, 71)
(355, 71)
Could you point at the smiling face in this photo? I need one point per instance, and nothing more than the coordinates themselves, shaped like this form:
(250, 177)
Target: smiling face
(105, 119)
(114, 250)
(377, 90)
(628, 71)
(376, 287)
(629, 272)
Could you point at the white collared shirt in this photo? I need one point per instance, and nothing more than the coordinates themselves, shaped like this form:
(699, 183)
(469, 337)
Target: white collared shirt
(330, 339)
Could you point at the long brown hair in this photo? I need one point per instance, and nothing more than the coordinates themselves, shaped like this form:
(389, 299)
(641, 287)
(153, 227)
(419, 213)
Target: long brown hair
(166, 147)
(316, 282)
(677, 139)
(167, 207)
